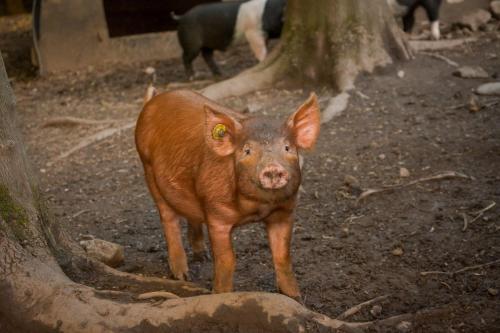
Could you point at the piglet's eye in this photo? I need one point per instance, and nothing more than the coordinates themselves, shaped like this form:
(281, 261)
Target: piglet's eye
(247, 151)
(287, 148)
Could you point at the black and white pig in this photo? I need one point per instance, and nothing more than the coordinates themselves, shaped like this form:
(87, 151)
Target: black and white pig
(215, 26)
(406, 10)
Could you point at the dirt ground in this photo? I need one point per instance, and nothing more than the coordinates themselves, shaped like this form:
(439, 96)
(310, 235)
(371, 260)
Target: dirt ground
(344, 252)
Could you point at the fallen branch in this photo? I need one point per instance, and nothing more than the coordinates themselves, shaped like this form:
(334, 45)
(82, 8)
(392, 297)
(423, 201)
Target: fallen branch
(444, 175)
(418, 45)
(73, 121)
(465, 269)
(440, 57)
(157, 294)
(89, 140)
(355, 309)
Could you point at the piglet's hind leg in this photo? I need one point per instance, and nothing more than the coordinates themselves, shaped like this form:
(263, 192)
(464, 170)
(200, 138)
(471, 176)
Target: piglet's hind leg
(176, 255)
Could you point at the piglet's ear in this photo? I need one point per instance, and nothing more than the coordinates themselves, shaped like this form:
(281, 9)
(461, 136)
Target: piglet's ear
(220, 131)
(304, 123)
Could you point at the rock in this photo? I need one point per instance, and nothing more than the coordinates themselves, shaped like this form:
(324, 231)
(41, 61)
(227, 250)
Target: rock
(381, 156)
(471, 72)
(473, 105)
(495, 8)
(109, 253)
(493, 291)
(492, 88)
(149, 70)
(376, 311)
(401, 74)
(336, 105)
(404, 173)
(404, 327)
(398, 252)
(475, 19)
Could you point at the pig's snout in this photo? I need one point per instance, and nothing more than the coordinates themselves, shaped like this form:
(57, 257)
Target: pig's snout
(273, 177)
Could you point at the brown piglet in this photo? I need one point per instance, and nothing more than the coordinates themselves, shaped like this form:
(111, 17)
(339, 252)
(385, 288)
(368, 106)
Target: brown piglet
(215, 166)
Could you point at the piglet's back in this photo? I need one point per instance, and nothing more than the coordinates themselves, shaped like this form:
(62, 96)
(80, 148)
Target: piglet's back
(170, 125)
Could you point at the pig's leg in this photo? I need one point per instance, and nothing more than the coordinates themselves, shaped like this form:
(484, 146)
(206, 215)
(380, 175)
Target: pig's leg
(187, 58)
(257, 43)
(279, 231)
(208, 56)
(177, 259)
(409, 20)
(223, 256)
(195, 235)
(432, 10)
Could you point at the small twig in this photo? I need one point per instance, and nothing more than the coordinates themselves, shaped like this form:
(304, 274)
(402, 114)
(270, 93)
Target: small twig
(444, 175)
(440, 57)
(465, 269)
(355, 309)
(157, 294)
(478, 214)
(73, 121)
(79, 213)
(466, 221)
(89, 140)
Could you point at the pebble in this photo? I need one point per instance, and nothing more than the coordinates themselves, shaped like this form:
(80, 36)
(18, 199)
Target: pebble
(471, 72)
(404, 326)
(397, 252)
(376, 311)
(404, 173)
(493, 291)
(492, 88)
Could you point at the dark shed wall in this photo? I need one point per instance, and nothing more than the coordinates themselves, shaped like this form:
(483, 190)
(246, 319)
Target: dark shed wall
(132, 17)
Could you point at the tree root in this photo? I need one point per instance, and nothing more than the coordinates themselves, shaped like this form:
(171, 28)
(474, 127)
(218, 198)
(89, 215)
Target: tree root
(74, 121)
(439, 44)
(387, 188)
(440, 57)
(157, 294)
(90, 140)
(79, 266)
(259, 77)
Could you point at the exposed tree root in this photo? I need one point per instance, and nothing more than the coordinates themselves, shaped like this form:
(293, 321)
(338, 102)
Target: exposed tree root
(462, 270)
(82, 268)
(74, 121)
(157, 294)
(387, 188)
(440, 57)
(90, 140)
(260, 77)
(421, 45)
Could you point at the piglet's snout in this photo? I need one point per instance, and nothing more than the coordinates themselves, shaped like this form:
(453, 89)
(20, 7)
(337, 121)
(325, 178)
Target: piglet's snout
(273, 176)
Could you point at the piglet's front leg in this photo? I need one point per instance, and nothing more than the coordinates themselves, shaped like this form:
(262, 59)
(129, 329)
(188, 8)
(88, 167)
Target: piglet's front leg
(279, 231)
(223, 255)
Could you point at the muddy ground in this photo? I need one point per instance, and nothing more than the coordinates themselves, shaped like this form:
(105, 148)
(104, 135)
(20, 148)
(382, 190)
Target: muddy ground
(344, 252)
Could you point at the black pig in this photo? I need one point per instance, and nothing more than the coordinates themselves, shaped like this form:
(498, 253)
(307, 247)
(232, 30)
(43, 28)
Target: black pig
(406, 9)
(215, 26)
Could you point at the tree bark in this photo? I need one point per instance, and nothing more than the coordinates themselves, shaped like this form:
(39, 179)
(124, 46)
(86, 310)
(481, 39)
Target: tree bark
(324, 42)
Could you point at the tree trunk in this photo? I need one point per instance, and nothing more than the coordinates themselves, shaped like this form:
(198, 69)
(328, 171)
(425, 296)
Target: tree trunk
(36, 294)
(324, 42)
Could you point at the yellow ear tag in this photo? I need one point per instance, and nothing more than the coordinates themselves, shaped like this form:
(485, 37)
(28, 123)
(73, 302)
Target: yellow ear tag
(219, 131)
